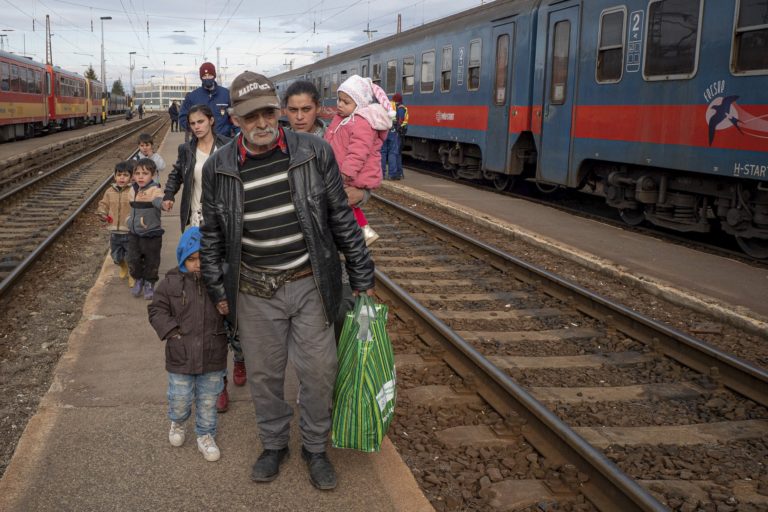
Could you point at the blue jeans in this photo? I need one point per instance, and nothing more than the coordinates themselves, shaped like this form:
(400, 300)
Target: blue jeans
(390, 156)
(204, 389)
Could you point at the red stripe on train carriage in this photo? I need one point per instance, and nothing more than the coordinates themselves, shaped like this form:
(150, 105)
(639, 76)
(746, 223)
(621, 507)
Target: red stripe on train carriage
(686, 125)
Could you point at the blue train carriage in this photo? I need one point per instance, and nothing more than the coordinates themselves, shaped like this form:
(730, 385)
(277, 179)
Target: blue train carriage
(448, 71)
(663, 106)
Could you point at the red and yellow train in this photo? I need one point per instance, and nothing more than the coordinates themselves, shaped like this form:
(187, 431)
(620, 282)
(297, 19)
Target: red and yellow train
(37, 98)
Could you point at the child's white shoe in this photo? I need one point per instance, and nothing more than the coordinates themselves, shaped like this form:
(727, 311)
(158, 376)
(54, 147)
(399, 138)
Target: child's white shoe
(369, 234)
(176, 435)
(207, 446)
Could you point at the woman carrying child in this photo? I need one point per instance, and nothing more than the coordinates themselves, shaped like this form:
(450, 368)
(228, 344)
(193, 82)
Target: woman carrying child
(358, 130)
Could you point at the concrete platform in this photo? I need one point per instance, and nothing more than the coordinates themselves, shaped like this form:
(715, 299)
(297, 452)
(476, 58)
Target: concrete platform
(99, 440)
(712, 283)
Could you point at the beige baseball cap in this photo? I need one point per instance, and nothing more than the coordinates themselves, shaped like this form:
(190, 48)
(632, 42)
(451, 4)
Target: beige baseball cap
(250, 92)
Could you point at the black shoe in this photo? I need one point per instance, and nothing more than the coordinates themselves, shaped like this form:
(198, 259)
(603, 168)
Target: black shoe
(321, 472)
(268, 465)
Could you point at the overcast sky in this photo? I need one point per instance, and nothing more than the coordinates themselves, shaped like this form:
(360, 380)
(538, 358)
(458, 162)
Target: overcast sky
(173, 37)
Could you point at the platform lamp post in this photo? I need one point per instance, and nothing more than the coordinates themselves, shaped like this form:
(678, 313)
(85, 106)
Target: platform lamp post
(103, 71)
(131, 65)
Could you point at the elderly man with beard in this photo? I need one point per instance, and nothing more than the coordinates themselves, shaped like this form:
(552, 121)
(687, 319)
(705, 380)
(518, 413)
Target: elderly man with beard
(275, 217)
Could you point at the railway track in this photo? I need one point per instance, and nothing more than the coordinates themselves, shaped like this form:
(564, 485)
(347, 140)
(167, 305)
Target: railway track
(37, 206)
(593, 207)
(621, 409)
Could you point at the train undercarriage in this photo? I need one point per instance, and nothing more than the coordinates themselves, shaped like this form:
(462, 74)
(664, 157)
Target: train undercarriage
(679, 201)
(689, 203)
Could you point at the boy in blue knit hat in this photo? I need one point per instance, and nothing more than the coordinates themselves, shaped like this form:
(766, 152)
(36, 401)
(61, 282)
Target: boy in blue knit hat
(184, 316)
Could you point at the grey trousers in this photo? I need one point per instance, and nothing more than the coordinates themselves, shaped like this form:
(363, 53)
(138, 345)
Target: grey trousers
(289, 326)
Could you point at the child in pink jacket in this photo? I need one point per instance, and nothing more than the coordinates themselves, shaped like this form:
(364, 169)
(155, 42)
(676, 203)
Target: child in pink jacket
(356, 135)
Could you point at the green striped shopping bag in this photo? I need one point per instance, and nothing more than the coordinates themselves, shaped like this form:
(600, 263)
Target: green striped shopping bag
(364, 398)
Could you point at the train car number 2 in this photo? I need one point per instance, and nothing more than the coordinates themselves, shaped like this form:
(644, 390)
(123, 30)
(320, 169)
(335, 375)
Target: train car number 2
(635, 44)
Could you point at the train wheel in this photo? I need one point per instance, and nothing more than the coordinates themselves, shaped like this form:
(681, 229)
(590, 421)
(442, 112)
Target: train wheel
(503, 182)
(632, 217)
(755, 247)
(546, 188)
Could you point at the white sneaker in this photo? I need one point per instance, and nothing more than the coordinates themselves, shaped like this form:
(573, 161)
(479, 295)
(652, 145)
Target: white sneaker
(369, 234)
(176, 434)
(207, 446)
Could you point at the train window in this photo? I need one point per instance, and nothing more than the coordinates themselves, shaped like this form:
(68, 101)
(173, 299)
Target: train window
(364, 70)
(5, 76)
(473, 69)
(672, 39)
(31, 81)
(409, 68)
(750, 38)
(22, 79)
(427, 82)
(376, 78)
(445, 69)
(15, 82)
(391, 76)
(334, 84)
(610, 50)
(327, 86)
(38, 82)
(560, 48)
(502, 69)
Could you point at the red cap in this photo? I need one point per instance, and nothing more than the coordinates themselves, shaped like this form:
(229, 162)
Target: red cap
(397, 98)
(207, 69)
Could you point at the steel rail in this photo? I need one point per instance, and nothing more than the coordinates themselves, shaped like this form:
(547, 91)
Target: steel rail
(733, 372)
(8, 193)
(608, 488)
(21, 268)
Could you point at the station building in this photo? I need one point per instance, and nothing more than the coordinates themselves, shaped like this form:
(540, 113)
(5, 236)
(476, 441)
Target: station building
(159, 95)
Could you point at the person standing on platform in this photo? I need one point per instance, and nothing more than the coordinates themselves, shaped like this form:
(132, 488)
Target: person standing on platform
(301, 104)
(113, 209)
(188, 171)
(146, 232)
(173, 113)
(275, 217)
(141, 111)
(392, 150)
(211, 94)
(147, 150)
(184, 317)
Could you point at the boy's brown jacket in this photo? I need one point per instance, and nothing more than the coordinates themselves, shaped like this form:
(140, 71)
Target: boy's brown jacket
(182, 314)
(116, 204)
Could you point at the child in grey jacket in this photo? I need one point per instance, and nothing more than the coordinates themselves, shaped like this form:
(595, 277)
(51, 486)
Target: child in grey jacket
(184, 316)
(146, 233)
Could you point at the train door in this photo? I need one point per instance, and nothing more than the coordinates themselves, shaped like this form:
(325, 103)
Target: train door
(559, 92)
(365, 70)
(501, 91)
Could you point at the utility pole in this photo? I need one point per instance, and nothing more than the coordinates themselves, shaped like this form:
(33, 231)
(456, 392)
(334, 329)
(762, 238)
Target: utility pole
(103, 71)
(131, 65)
(48, 48)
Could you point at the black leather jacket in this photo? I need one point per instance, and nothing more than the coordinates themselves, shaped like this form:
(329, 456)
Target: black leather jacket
(183, 172)
(321, 205)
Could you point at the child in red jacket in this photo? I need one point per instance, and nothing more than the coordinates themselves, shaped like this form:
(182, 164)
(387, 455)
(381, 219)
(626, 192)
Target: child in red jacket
(358, 130)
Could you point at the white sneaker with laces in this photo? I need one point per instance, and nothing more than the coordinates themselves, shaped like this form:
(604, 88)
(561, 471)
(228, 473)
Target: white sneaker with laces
(207, 446)
(176, 435)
